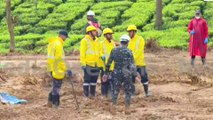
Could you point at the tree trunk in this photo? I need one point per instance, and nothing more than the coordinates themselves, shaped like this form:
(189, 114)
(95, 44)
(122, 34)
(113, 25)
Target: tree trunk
(159, 16)
(36, 5)
(10, 25)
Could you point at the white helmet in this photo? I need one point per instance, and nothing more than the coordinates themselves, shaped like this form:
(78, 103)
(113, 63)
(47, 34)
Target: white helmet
(90, 13)
(125, 38)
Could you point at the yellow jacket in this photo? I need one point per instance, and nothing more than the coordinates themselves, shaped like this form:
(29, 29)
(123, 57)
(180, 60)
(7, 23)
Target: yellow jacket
(106, 48)
(56, 63)
(90, 52)
(136, 45)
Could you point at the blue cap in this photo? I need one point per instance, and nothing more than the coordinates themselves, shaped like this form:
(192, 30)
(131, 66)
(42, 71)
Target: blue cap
(63, 32)
(197, 12)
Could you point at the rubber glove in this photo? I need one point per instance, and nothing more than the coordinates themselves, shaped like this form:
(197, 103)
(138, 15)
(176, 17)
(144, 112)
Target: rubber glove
(206, 41)
(192, 32)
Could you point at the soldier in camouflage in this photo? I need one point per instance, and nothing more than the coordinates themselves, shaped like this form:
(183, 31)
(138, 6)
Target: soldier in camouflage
(124, 62)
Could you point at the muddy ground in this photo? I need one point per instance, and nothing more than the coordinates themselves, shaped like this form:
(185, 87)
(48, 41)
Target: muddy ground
(178, 91)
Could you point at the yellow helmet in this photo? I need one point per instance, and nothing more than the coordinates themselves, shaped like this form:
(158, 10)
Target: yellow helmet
(107, 31)
(90, 28)
(132, 27)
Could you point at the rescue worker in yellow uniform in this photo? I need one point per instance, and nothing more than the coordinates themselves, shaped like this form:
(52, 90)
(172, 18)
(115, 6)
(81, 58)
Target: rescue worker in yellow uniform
(107, 45)
(57, 67)
(136, 45)
(90, 61)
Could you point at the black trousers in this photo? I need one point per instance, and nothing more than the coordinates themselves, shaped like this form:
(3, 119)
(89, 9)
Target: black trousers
(90, 79)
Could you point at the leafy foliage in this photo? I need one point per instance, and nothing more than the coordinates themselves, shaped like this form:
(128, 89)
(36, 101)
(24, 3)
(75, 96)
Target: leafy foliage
(35, 24)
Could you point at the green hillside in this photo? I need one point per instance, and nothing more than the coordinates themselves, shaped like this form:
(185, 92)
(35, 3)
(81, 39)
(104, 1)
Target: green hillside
(35, 24)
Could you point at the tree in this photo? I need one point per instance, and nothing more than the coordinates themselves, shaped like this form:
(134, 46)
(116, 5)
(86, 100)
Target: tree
(64, 1)
(36, 5)
(159, 19)
(10, 23)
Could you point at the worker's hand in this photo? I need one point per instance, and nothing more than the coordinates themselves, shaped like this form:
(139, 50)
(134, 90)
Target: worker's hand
(133, 69)
(192, 32)
(103, 58)
(83, 68)
(104, 78)
(69, 73)
(206, 41)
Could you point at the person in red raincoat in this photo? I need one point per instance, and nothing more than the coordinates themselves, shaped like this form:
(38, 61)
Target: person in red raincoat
(198, 30)
(94, 22)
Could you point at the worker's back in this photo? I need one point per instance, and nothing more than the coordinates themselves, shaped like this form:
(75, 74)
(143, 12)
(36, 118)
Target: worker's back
(123, 59)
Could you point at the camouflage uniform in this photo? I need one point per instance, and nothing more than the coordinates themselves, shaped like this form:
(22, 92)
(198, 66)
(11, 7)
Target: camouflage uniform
(122, 73)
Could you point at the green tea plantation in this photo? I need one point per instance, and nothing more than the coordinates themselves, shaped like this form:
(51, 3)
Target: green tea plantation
(35, 23)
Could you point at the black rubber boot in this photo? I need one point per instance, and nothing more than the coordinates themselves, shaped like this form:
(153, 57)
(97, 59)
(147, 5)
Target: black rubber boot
(49, 102)
(103, 90)
(133, 89)
(127, 107)
(203, 61)
(146, 90)
(92, 90)
(50, 97)
(109, 92)
(127, 101)
(86, 91)
(56, 100)
(192, 62)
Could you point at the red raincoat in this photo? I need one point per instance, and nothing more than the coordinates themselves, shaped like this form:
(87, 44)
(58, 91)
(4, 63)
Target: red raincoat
(96, 24)
(197, 47)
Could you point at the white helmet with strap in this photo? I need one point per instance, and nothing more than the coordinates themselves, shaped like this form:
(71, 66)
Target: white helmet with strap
(90, 13)
(125, 38)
